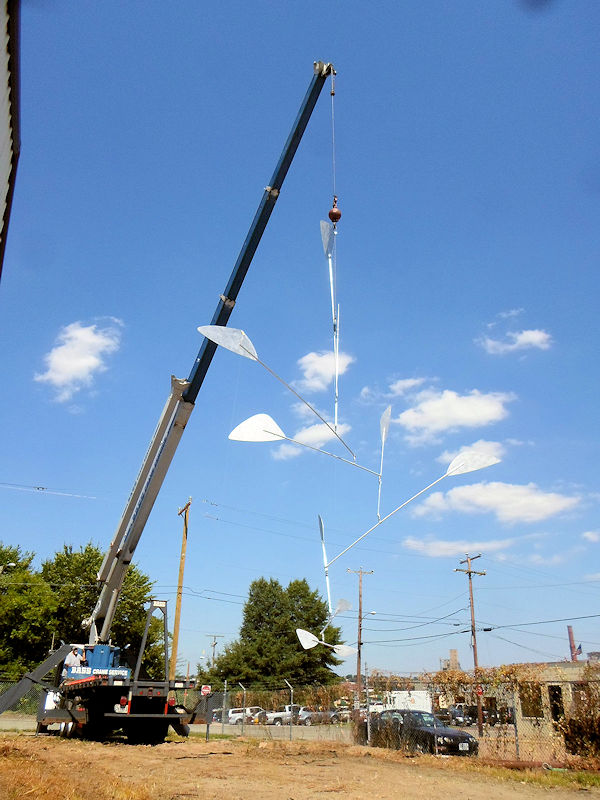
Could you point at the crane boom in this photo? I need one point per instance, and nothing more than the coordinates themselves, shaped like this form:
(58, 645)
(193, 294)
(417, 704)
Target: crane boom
(180, 402)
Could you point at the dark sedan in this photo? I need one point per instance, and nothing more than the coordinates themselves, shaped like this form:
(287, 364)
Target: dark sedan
(421, 732)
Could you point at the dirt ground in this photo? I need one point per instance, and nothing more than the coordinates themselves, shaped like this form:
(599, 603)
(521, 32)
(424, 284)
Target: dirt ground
(50, 767)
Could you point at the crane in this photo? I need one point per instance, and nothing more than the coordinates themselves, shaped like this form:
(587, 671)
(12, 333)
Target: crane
(103, 696)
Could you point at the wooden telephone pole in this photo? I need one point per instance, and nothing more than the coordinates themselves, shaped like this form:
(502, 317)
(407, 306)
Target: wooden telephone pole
(470, 572)
(173, 663)
(213, 644)
(360, 572)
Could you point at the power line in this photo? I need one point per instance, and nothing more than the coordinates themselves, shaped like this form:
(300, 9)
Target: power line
(437, 621)
(546, 621)
(525, 647)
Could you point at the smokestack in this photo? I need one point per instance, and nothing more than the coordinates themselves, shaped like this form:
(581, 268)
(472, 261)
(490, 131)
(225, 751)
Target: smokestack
(572, 643)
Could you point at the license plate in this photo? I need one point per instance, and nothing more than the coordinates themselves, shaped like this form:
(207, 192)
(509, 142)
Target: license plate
(463, 745)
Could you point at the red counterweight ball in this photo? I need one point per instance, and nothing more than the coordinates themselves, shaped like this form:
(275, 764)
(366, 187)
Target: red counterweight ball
(335, 214)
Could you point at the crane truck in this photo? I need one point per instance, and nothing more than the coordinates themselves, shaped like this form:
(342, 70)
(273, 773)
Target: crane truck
(102, 696)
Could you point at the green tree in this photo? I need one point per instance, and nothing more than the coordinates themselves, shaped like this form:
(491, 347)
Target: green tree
(26, 605)
(268, 650)
(72, 576)
(12, 554)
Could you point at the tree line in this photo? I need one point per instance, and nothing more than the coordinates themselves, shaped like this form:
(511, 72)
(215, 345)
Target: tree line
(40, 608)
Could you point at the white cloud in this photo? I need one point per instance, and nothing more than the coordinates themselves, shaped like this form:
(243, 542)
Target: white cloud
(437, 548)
(513, 312)
(400, 387)
(318, 370)
(495, 449)
(78, 355)
(509, 502)
(367, 394)
(594, 576)
(436, 412)
(591, 536)
(313, 436)
(546, 561)
(519, 340)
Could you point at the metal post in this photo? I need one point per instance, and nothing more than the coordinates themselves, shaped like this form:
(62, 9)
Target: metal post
(514, 711)
(223, 712)
(368, 704)
(173, 666)
(291, 705)
(244, 704)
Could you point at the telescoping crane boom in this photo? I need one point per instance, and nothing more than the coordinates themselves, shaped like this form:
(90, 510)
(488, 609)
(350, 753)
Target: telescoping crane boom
(106, 700)
(180, 403)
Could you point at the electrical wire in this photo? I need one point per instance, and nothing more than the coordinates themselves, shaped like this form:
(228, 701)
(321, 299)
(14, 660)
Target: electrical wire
(531, 649)
(422, 624)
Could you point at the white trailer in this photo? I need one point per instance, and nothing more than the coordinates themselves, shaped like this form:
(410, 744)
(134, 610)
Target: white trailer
(418, 700)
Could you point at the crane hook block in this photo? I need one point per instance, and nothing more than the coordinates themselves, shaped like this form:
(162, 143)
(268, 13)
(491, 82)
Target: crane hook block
(335, 214)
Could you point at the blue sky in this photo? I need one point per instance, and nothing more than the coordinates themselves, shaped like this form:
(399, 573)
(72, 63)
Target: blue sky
(468, 174)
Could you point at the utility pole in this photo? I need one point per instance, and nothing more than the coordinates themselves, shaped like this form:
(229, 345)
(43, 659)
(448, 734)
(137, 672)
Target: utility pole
(173, 664)
(470, 572)
(213, 644)
(360, 572)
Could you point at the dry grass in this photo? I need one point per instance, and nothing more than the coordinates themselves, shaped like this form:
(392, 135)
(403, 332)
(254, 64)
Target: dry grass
(24, 772)
(56, 769)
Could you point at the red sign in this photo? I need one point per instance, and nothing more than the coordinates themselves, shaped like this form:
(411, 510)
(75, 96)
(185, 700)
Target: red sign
(479, 690)
(205, 690)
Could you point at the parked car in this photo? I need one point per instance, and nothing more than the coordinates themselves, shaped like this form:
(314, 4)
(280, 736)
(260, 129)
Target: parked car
(453, 715)
(391, 717)
(313, 716)
(282, 715)
(239, 715)
(422, 732)
(469, 715)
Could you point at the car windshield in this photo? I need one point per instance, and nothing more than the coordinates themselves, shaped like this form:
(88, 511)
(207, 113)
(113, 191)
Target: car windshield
(426, 719)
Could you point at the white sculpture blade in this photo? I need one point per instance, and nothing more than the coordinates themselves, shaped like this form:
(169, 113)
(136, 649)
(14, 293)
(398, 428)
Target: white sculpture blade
(232, 339)
(342, 605)
(307, 639)
(327, 237)
(325, 567)
(344, 651)
(259, 428)
(384, 424)
(469, 461)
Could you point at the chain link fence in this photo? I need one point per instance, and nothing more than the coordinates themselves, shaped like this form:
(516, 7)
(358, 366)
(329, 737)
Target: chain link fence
(556, 723)
(28, 704)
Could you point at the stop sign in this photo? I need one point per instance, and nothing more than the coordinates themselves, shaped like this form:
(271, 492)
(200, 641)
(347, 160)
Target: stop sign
(479, 690)
(205, 690)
